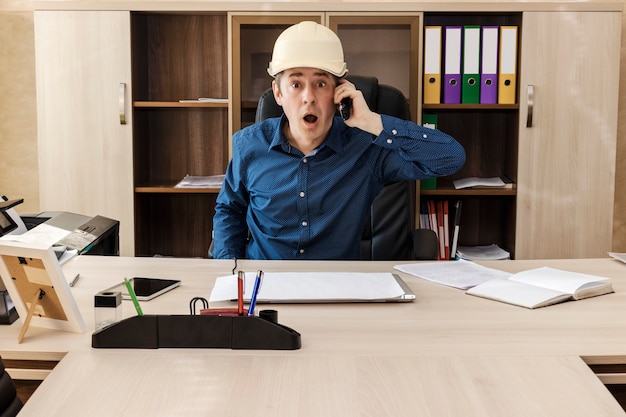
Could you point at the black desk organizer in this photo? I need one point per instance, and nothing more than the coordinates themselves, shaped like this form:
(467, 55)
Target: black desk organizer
(203, 331)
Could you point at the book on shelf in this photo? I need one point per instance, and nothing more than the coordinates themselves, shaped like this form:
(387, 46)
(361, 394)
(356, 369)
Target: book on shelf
(446, 230)
(542, 287)
(432, 217)
(443, 218)
(456, 228)
(441, 234)
(201, 181)
(491, 252)
(424, 217)
(483, 182)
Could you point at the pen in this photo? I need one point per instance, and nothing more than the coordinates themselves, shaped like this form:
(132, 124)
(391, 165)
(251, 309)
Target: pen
(75, 280)
(240, 289)
(255, 291)
(133, 296)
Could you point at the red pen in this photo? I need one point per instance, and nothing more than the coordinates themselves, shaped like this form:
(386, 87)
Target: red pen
(241, 276)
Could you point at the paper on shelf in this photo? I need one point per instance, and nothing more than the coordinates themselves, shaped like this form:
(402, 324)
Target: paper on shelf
(486, 252)
(478, 181)
(204, 100)
(199, 181)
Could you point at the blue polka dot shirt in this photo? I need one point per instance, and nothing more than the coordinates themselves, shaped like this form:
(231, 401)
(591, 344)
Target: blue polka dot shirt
(277, 203)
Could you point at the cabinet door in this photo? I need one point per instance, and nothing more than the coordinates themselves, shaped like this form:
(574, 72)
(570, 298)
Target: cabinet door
(567, 139)
(85, 149)
(252, 42)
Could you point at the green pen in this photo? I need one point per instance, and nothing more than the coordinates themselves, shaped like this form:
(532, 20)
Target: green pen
(133, 296)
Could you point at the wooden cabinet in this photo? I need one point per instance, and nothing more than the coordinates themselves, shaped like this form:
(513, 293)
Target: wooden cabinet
(567, 145)
(83, 100)
(558, 145)
(95, 68)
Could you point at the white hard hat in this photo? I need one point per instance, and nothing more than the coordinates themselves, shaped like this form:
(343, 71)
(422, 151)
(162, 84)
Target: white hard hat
(308, 44)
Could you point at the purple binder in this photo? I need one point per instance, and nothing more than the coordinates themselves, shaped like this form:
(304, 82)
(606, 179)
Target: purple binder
(452, 65)
(489, 65)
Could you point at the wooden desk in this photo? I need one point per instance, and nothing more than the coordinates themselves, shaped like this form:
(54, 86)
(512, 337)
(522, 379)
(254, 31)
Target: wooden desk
(446, 354)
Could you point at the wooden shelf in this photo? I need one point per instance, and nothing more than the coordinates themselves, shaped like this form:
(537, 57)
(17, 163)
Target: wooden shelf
(168, 189)
(497, 192)
(167, 104)
(471, 106)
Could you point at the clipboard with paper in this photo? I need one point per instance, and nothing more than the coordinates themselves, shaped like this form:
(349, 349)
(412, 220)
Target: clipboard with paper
(317, 287)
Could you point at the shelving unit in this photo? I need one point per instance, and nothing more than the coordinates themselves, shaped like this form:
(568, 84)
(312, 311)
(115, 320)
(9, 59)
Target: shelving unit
(177, 57)
(489, 134)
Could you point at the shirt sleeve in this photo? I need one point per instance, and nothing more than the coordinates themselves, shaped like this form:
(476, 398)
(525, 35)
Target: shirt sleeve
(230, 231)
(430, 152)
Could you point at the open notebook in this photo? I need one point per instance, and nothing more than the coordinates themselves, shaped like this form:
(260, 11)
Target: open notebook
(317, 287)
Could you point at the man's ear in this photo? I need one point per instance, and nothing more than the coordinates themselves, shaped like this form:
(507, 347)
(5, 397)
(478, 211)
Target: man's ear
(277, 94)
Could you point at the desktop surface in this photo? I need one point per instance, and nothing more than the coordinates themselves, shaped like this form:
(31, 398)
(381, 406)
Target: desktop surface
(447, 353)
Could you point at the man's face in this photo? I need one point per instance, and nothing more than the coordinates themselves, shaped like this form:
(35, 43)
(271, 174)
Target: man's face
(307, 98)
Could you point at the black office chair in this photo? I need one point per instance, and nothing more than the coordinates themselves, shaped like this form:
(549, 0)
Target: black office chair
(388, 233)
(10, 404)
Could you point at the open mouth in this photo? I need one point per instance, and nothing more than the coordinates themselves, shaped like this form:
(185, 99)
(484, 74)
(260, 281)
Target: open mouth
(309, 118)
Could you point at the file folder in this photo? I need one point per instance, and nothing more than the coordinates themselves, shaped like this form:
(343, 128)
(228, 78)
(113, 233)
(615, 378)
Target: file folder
(470, 91)
(507, 79)
(452, 65)
(489, 68)
(441, 235)
(429, 120)
(432, 65)
(446, 230)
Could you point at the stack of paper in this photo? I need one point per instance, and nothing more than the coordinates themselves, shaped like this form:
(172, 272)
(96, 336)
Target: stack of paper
(197, 181)
(487, 252)
(480, 182)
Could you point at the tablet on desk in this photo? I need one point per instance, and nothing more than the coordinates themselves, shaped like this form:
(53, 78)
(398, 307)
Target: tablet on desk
(146, 288)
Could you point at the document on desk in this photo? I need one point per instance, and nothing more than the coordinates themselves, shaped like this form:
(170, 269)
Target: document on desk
(316, 287)
(44, 234)
(460, 274)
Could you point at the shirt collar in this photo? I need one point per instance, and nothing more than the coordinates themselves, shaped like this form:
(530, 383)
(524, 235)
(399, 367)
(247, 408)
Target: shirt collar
(333, 140)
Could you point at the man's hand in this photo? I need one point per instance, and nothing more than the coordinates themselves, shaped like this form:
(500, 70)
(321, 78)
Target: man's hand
(360, 114)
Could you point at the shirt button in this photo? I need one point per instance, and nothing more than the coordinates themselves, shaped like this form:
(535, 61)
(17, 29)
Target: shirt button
(394, 132)
(304, 160)
(301, 250)
(304, 223)
(301, 193)
(390, 141)
(424, 135)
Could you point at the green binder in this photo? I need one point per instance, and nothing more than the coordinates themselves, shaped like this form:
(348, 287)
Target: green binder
(470, 90)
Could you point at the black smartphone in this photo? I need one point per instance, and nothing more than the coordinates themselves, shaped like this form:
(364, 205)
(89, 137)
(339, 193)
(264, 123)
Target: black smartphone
(345, 106)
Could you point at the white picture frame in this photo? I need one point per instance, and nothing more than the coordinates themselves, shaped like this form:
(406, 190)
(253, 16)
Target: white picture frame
(27, 270)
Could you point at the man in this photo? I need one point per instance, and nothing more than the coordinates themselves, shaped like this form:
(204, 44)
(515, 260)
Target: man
(300, 186)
